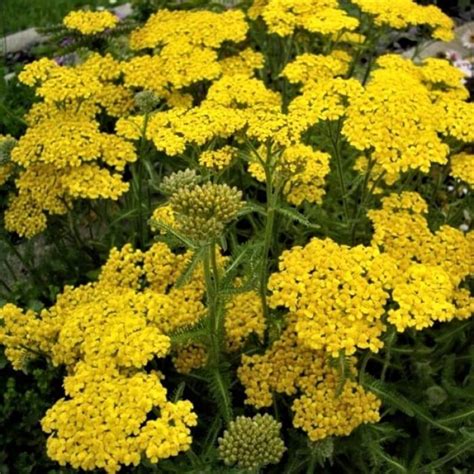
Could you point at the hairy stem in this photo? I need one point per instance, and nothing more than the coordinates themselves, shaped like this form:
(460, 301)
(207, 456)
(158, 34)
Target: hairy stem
(216, 331)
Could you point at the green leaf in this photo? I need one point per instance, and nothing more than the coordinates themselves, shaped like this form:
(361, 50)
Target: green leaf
(249, 208)
(465, 446)
(190, 334)
(243, 254)
(394, 463)
(181, 237)
(295, 215)
(190, 267)
(397, 400)
(459, 417)
(219, 386)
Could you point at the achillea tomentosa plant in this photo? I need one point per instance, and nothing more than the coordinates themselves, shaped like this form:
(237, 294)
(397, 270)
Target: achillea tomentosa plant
(271, 188)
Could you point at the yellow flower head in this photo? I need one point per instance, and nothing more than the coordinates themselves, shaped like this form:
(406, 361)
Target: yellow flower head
(90, 23)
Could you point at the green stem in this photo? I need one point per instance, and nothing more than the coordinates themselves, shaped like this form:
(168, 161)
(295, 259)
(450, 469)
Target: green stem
(363, 366)
(76, 235)
(215, 275)
(363, 198)
(11, 114)
(272, 201)
(10, 269)
(338, 158)
(39, 282)
(137, 172)
(441, 177)
(216, 330)
(368, 69)
(459, 449)
(211, 304)
(390, 340)
(312, 464)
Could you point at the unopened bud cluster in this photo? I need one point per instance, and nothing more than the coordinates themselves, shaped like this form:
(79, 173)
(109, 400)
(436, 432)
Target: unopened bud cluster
(146, 101)
(179, 180)
(202, 211)
(252, 443)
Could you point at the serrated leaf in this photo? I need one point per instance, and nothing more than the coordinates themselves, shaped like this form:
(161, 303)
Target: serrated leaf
(397, 400)
(178, 235)
(297, 216)
(188, 335)
(190, 267)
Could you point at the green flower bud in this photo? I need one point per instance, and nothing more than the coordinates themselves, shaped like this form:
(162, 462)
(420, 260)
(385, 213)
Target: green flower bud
(203, 211)
(252, 443)
(146, 101)
(181, 179)
(436, 395)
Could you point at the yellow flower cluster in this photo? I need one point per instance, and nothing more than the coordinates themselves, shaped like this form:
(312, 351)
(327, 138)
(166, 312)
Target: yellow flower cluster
(197, 28)
(397, 117)
(90, 84)
(339, 294)
(218, 159)
(243, 316)
(246, 62)
(457, 118)
(172, 130)
(323, 100)
(462, 167)
(103, 422)
(289, 368)
(176, 66)
(317, 67)
(402, 14)
(231, 103)
(64, 155)
(5, 172)
(163, 214)
(424, 296)
(56, 83)
(186, 44)
(90, 23)
(122, 318)
(302, 170)
(401, 229)
(24, 335)
(431, 265)
(283, 17)
(189, 358)
(105, 333)
(7, 143)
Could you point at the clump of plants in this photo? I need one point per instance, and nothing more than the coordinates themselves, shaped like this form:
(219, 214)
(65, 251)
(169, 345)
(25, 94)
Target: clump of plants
(254, 241)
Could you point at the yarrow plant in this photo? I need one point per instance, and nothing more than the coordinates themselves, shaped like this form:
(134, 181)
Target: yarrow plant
(268, 211)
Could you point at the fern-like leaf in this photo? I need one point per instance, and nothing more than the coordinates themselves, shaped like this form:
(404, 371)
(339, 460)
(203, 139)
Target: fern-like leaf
(189, 334)
(295, 215)
(189, 269)
(219, 387)
(398, 401)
